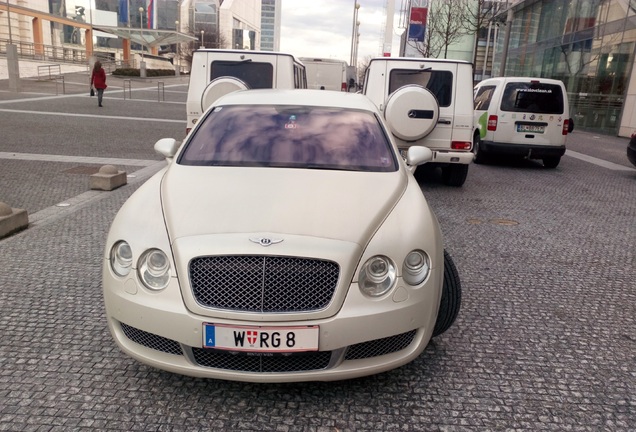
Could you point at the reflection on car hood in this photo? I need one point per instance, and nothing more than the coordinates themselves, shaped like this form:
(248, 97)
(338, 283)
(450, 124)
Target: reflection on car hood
(341, 205)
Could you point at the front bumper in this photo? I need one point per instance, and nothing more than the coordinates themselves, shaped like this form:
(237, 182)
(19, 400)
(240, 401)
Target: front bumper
(364, 337)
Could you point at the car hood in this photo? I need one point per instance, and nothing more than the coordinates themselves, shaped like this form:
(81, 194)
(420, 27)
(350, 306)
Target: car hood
(342, 205)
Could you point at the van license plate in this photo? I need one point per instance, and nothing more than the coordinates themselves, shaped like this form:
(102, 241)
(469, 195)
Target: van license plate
(260, 339)
(530, 128)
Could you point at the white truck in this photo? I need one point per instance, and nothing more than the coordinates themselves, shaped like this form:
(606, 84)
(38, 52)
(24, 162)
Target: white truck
(326, 74)
(427, 102)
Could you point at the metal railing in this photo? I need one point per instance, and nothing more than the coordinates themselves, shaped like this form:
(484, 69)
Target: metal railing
(49, 72)
(60, 79)
(161, 92)
(127, 83)
(66, 53)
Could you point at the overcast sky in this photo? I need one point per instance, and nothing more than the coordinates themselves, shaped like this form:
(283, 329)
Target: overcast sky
(323, 28)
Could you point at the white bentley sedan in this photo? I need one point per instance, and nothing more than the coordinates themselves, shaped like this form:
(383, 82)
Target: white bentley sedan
(286, 240)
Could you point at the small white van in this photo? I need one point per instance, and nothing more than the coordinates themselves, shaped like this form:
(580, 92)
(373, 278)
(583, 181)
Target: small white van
(215, 73)
(326, 74)
(521, 116)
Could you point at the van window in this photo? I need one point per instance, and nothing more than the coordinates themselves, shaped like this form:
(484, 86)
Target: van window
(537, 98)
(255, 75)
(440, 83)
(483, 97)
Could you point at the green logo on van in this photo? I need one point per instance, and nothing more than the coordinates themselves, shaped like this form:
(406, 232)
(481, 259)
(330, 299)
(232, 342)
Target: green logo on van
(483, 124)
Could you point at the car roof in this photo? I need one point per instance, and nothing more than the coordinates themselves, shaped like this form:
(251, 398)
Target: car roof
(300, 97)
(523, 79)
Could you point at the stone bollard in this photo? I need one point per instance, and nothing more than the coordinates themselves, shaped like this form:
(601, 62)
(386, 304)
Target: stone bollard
(108, 178)
(12, 220)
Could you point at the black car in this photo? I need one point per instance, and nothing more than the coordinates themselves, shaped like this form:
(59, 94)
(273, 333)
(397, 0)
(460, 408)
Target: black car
(631, 149)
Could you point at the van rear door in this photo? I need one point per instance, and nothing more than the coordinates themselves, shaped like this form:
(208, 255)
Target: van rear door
(532, 112)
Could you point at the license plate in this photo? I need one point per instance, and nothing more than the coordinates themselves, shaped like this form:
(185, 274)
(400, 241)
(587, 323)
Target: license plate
(260, 339)
(530, 128)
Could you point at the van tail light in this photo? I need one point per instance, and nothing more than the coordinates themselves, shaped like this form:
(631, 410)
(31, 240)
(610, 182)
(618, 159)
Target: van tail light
(566, 127)
(188, 130)
(461, 145)
(492, 123)
(343, 87)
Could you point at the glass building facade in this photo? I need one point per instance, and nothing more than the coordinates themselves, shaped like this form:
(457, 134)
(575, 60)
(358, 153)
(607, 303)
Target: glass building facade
(588, 44)
(268, 24)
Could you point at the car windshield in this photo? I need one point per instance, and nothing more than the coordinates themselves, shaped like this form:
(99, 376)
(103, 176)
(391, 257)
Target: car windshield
(292, 137)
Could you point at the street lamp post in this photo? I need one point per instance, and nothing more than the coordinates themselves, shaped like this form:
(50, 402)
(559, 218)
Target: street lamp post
(141, 30)
(178, 68)
(354, 30)
(142, 65)
(202, 46)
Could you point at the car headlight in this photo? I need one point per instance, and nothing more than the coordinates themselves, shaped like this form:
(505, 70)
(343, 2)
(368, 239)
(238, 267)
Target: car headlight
(377, 276)
(154, 269)
(121, 258)
(416, 267)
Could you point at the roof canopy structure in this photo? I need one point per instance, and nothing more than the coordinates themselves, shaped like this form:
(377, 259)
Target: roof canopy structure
(147, 37)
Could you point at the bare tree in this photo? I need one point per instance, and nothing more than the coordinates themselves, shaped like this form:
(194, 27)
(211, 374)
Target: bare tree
(363, 65)
(445, 27)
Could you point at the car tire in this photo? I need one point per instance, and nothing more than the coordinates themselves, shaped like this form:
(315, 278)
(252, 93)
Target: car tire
(451, 300)
(220, 87)
(480, 155)
(551, 162)
(455, 174)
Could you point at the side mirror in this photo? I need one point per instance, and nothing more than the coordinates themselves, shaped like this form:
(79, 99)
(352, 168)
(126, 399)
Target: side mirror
(418, 155)
(167, 147)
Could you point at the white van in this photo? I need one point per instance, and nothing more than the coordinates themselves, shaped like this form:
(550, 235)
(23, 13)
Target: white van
(326, 74)
(522, 116)
(215, 73)
(427, 102)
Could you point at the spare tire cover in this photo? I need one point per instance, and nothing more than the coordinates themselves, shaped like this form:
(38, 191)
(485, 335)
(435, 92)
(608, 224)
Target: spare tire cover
(411, 112)
(220, 87)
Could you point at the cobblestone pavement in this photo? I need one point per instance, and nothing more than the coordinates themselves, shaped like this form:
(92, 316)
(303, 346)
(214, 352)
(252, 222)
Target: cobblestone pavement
(546, 338)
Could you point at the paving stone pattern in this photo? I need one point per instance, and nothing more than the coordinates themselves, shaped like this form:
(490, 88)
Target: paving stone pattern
(545, 341)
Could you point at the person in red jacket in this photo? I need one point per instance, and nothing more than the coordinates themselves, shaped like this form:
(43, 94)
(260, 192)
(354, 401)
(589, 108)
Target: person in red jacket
(98, 80)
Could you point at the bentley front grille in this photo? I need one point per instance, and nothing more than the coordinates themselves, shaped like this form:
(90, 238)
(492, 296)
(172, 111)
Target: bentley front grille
(263, 283)
(151, 340)
(317, 360)
(380, 347)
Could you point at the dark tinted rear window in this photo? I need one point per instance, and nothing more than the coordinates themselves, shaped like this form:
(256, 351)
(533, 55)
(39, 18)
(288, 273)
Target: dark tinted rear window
(533, 98)
(289, 136)
(440, 83)
(255, 75)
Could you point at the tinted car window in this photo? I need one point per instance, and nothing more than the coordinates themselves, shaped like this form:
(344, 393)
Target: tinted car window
(483, 97)
(255, 75)
(440, 83)
(288, 136)
(533, 98)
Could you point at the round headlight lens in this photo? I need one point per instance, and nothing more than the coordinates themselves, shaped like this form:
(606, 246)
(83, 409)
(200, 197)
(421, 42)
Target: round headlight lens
(377, 276)
(121, 258)
(154, 269)
(416, 268)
